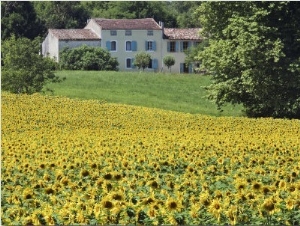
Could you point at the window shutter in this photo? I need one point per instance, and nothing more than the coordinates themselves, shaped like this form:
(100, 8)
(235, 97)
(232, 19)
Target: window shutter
(134, 46)
(146, 45)
(181, 67)
(190, 44)
(108, 45)
(154, 46)
(181, 46)
(154, 63)
(168, 46)
(132, 61)
(176, 46)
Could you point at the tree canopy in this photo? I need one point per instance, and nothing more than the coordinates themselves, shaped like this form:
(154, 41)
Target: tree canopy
(253, 55)
(19, 18)
(23, 69)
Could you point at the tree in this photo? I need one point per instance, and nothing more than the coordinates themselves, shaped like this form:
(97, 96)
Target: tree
(184, 11)
(142, 60)
(87, 58)
(159, 11)
(24, 70)
(18, 18)
(61, 14)
(253, 55)
(169, 61)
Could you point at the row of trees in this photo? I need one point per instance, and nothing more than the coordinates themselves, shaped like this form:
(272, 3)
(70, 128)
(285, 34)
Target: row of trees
(32, 19)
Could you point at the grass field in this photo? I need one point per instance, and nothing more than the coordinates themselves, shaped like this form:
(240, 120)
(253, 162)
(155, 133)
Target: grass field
(177, 92)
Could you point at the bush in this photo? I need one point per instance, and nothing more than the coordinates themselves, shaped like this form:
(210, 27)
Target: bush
(87, 58)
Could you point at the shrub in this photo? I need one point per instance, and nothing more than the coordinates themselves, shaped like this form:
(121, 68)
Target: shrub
(87, 58)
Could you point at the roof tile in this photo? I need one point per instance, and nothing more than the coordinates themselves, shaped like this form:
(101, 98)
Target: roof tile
(74, 34)
(130, 24)
(183, 33)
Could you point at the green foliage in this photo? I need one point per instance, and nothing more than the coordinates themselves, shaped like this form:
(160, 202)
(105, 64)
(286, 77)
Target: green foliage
(19, 18)
(142, 60)
(160, 11)
(254, 61)
(24, 70)
(61, 14)
(185, 13)
(169, 61)
(87, 58)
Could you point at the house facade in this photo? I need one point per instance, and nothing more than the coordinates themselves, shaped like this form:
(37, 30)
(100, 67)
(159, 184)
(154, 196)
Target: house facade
(124, 38)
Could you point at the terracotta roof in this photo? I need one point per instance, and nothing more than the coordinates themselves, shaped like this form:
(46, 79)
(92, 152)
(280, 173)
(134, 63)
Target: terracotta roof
(183, 33)
(74, 34)
(123, 24)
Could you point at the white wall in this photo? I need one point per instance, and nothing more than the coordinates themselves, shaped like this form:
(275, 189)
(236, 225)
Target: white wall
(140, 36)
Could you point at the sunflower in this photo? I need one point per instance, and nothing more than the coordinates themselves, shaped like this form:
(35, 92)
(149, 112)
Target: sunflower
(290, 204)
(215, 208)
(107, 203)
(232, 214)
(205, 199)
(28, 193)
(269, 205)
(173, 204)
(256, 186)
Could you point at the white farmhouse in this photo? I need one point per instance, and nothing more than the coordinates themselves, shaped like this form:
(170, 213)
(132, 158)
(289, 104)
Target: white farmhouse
(124, 38)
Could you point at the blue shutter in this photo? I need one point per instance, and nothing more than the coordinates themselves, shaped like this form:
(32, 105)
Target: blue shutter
(181, 67)
(190, 68)
(146, 45)
(190, 44)
(132, 61)
(176, 46)
(134, 46)
(154, 63)
(181, 46)
(154, 46)
(168, 46)
(108, 45)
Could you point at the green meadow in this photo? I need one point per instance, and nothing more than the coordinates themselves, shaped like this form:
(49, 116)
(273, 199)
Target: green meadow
(176, 92)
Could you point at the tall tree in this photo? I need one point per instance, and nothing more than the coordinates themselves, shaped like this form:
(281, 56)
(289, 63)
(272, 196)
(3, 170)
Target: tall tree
(185, 13)
(61, 14)
(18, 18)
(253, 55)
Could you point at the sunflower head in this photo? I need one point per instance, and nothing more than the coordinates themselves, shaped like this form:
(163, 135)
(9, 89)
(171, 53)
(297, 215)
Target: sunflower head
(268, 205)
(173, 204)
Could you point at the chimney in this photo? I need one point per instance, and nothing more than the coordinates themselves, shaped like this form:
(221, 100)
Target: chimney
(161, 24)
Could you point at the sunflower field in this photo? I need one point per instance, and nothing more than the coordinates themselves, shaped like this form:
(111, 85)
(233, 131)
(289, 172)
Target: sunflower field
(68, 161)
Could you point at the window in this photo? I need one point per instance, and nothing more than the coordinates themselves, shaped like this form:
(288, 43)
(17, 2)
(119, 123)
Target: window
(153, 64)
(129, 63)
(185, 45)
(150, 33)
(150, 64)
(150, 46)
(111, 45)
(172, 47)
(131, 46)
(128, 33)
(113, 32)
(128, 46)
